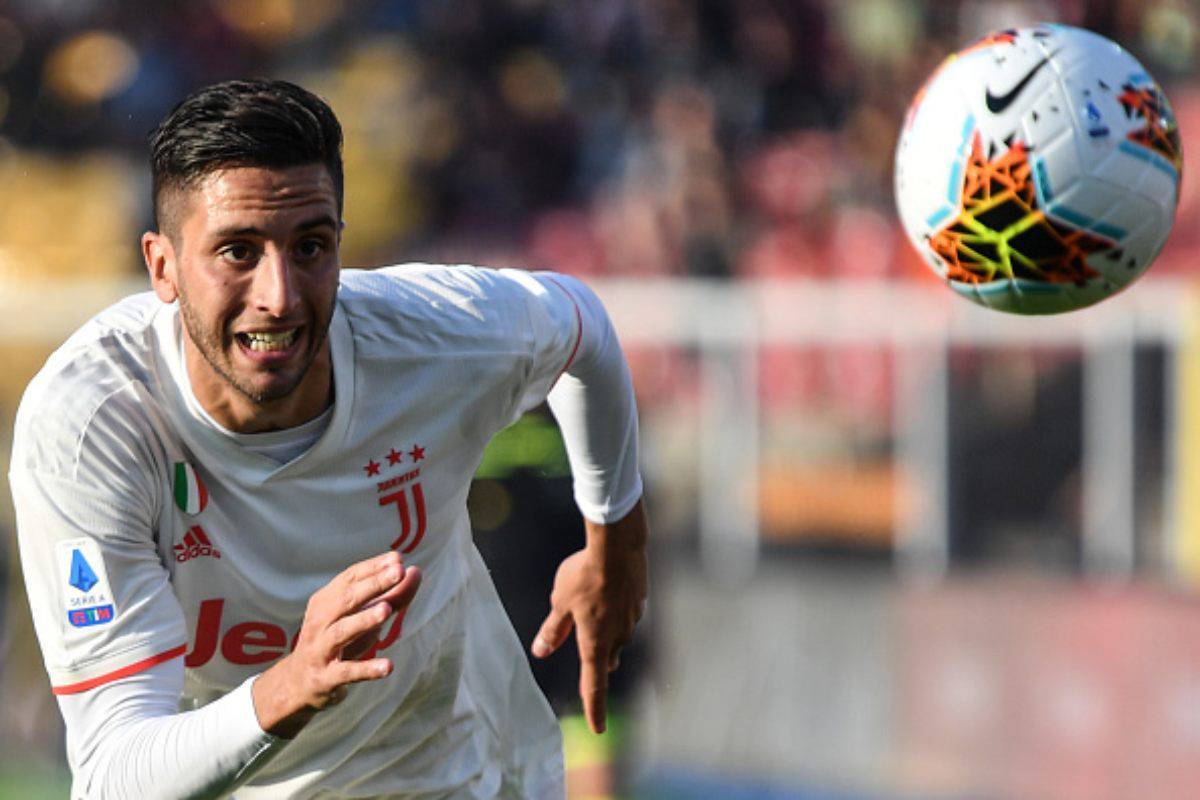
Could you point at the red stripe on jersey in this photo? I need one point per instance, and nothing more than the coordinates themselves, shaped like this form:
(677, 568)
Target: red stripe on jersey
(123, 672)
(578, 326)
(201, 536)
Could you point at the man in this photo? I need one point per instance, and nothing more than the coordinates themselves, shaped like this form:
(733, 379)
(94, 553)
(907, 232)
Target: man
(243, 495)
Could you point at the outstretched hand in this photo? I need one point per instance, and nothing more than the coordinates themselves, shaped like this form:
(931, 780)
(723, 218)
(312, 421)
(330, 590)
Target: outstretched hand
(334, 648)
(599, 591)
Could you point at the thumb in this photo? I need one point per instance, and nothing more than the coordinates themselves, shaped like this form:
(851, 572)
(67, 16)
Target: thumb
(553, 633)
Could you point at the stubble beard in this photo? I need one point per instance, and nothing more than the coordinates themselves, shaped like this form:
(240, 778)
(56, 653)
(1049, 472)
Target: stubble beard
(211, 345)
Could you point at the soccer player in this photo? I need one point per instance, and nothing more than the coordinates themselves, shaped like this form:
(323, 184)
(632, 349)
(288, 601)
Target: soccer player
(241, 497)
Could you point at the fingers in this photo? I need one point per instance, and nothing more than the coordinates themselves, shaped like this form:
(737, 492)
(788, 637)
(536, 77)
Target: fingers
(355, 629)
(355, 626)
(363, 630)
(351, 672)
(368, 567)
(400, 596)
(366, 581)
(359, 671)
(593, 688)
(553, 633)
(344, 616)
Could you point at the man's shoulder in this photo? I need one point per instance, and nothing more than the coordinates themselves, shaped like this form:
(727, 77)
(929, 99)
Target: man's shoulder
(455, 301)
(116, 342)
(427, 284)
(98, 366)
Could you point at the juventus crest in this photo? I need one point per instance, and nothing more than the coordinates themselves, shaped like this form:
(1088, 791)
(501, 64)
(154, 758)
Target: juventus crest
(404, 492)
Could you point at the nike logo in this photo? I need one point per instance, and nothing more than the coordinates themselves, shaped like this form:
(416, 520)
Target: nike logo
(997, 103)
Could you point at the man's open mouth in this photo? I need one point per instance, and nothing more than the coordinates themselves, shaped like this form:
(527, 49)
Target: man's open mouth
(268, 341)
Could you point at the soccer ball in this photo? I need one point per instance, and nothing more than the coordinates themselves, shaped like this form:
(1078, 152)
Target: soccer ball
(1038, 170)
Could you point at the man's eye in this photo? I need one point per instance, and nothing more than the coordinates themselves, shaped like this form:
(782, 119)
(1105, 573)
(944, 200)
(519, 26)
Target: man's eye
(310, 248)
(237, 253)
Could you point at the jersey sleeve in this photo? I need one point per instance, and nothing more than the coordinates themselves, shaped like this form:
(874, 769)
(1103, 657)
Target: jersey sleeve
(556, 324)
(84, 486)
(526, 334)
(579, 367)
(128, 739)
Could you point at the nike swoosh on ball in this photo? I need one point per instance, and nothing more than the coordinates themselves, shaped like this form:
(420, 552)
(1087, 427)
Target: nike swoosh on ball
(997, 104)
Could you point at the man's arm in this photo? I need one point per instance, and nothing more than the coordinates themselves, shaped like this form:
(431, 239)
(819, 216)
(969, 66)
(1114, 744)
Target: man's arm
(599, 591)
(127, 739)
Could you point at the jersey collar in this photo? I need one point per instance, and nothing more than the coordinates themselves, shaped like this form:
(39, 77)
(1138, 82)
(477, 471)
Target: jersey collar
(218, 452)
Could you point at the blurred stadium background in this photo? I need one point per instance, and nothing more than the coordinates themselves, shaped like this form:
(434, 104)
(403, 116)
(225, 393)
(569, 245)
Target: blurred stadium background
(905, 547)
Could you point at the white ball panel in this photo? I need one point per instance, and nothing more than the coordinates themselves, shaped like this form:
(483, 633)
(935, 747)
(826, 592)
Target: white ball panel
(1095, 200)
(1058, 164)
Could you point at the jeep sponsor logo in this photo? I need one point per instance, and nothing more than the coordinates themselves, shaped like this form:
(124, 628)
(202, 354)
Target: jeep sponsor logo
(252, 642)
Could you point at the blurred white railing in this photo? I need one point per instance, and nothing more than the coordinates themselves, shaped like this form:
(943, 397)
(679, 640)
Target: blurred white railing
(726, 322)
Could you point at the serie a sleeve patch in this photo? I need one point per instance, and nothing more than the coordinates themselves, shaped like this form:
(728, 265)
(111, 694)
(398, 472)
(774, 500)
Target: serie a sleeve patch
(86, 593)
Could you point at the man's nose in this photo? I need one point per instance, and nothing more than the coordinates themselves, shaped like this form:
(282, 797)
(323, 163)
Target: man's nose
(275, 291)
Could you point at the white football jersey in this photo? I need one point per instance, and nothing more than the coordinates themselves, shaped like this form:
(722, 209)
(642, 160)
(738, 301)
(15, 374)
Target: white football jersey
(147, 535)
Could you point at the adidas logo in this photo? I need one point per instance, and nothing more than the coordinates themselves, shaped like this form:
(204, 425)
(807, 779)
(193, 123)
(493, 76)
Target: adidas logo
(195, 544)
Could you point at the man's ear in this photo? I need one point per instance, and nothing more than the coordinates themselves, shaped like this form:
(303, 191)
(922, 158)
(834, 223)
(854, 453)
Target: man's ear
(159, 253)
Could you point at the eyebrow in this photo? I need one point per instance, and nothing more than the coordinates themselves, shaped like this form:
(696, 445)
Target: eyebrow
(325, 220)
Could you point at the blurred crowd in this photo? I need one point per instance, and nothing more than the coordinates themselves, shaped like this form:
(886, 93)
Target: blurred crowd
(705, 138)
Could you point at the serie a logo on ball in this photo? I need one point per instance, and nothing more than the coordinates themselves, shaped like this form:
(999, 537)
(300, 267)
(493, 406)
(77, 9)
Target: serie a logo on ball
(1038, 170)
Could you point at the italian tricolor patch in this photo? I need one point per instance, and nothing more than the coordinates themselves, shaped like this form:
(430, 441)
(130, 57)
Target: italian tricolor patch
(190, 494)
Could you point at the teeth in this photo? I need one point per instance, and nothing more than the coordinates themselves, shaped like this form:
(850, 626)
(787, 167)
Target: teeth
(263, 340)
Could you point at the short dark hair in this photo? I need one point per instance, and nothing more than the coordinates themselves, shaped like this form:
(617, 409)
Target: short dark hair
(243, 123)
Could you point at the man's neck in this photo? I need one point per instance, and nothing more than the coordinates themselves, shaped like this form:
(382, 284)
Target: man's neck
(236, 412)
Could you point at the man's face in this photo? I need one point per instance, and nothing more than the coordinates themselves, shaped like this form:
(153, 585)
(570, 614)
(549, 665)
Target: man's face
(254, 264)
